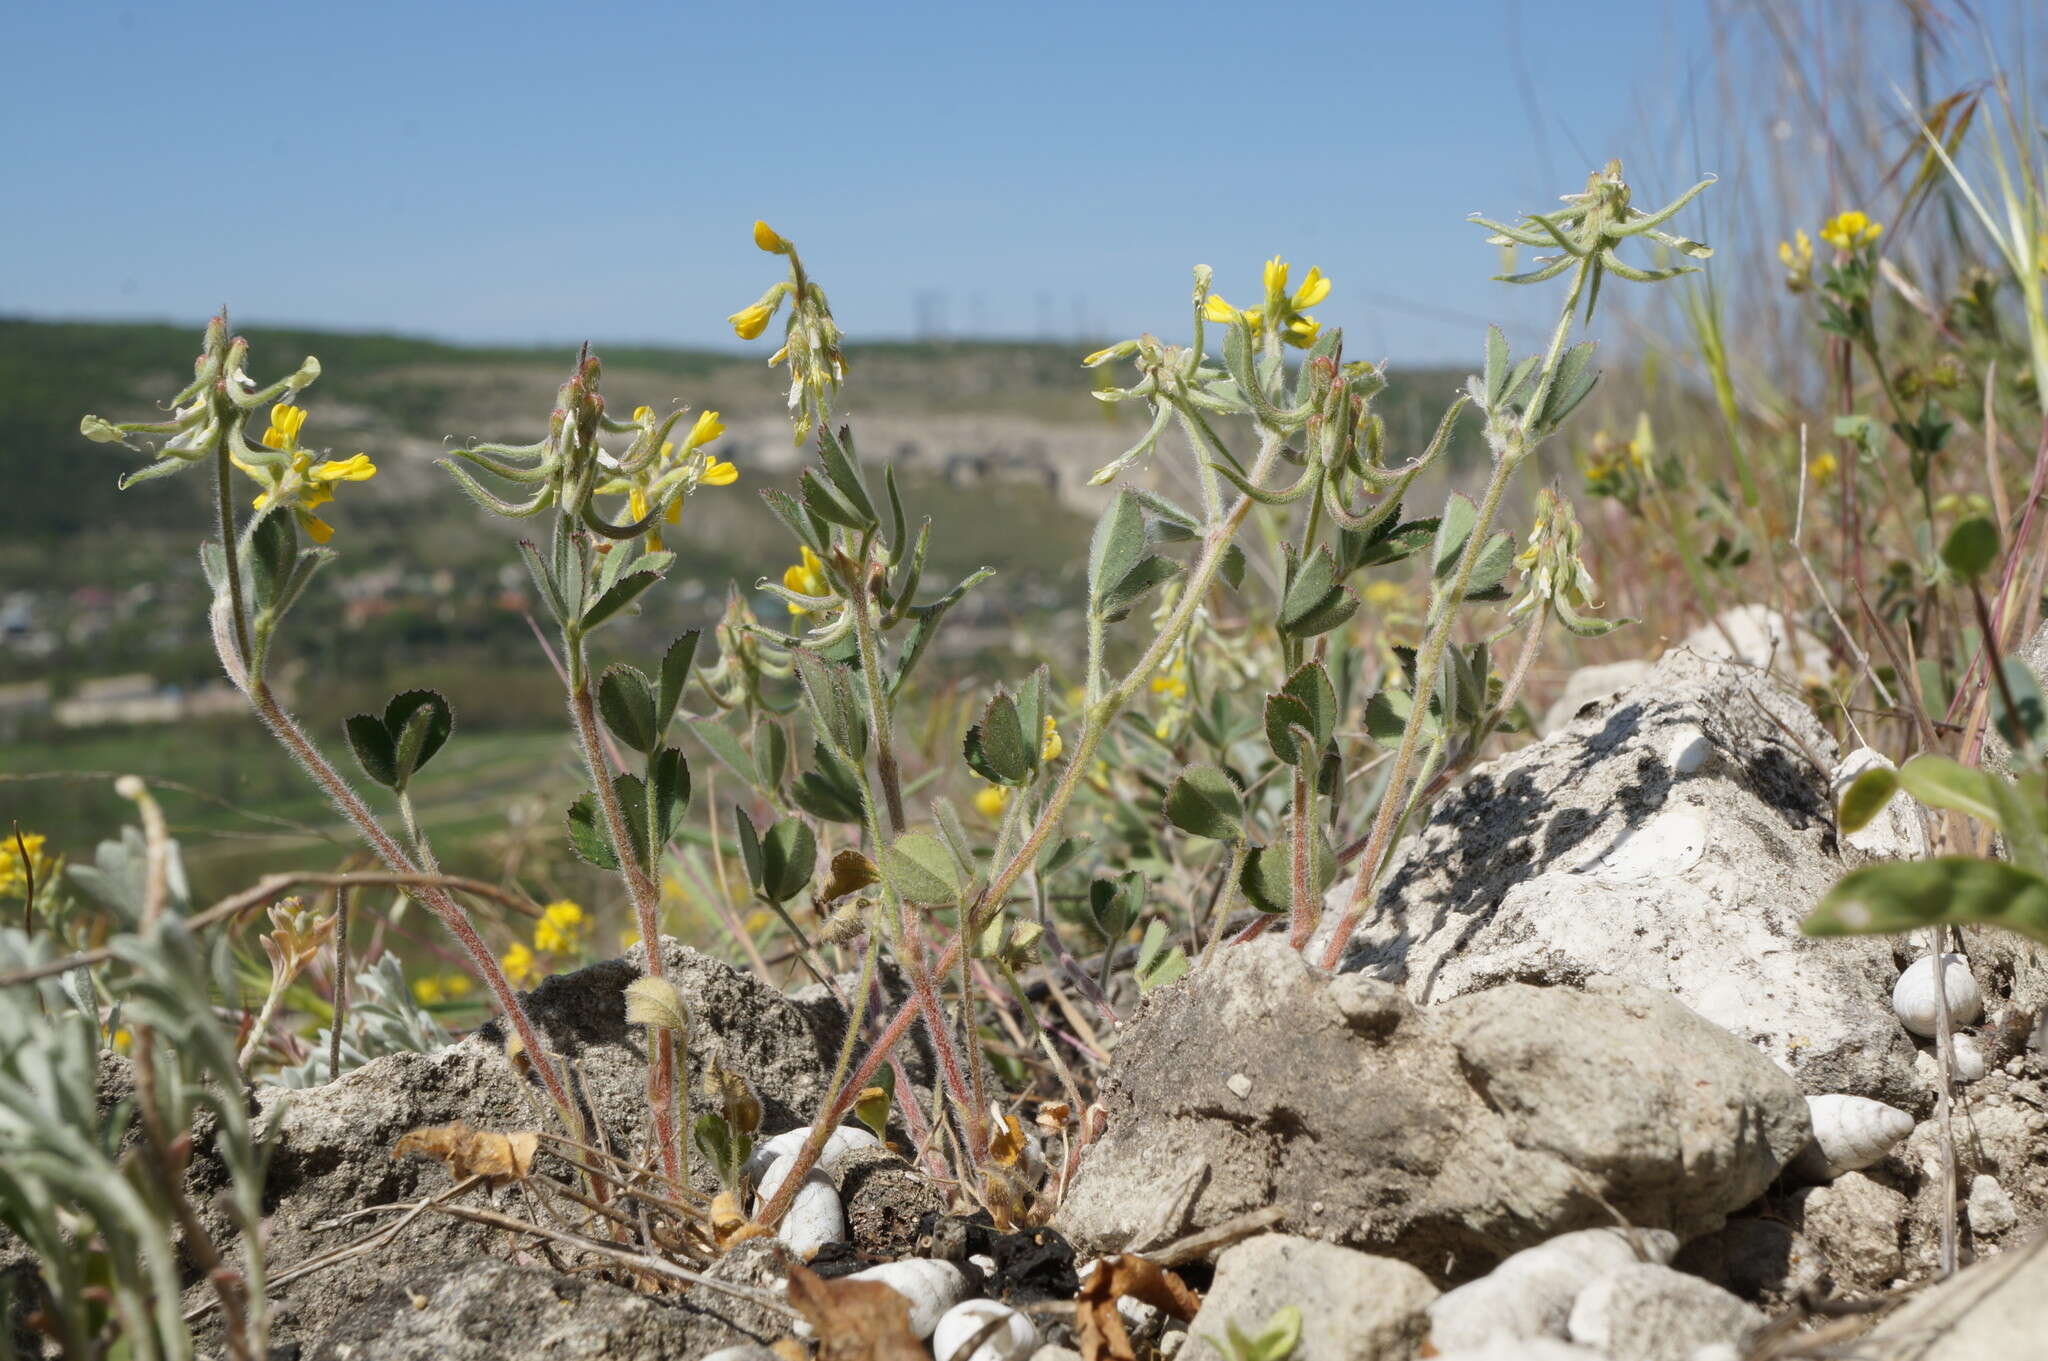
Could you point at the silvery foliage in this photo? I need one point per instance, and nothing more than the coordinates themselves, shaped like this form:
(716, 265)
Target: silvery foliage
(383, 1018)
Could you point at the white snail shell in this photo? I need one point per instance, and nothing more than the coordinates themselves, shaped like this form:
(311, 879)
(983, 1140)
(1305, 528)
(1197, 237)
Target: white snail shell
(815, 1215)
(1970, 1061)
(1914, 1000)
(751, 1351)
(1849, 1132)
(841, 1142)
(1014, 1340)
(931, 1286)
(1530, 1294)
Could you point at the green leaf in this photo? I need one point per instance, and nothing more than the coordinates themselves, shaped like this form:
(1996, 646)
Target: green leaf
(1943, 782)
(1952, 890)
(1386, 717)
(1158, 966)
(827, 504)
(1268, 875)
(832, 791)
(625, 592)
(586, 833)
(1971, 548)
(1115, 904)
(1231, 569)
(842, 467)
(1453, 528)
(922, 870)
(668, 793)
(625, 697)
(675, 674)
(998, 747)
(1203, 802)
(374, 749)
(1496, 367)
(723, 743)
(1114, 550)
(1151, 571)
(273, 551)
(828, 687)
(771, 754)
(1865, 798)
(789, 855)
(1496, 556)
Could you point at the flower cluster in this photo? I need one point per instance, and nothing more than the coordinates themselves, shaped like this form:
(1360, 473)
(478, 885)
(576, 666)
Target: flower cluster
(22, 862)
(810, 341)
(670, 474)
(559, 933)
(1283, 314)
(297, 480)
(1850, 231)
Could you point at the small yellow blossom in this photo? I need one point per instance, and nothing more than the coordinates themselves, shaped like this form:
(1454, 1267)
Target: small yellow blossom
(1223, 314)
(455, 985)
(560, 929)
(1173, 684)
(749, 322)
(1312, 291)
(426, 991)
(767, 239)
(806, 578)
(14, 872)
(285, 420)
(628, 938)
(124, 1039)
(1797, 254)
(719, 473)
(1822, 468)
(990, 800)
(1851, 230)
(517, 963)
(706, 429)
(1051, 748)
(1275, 276)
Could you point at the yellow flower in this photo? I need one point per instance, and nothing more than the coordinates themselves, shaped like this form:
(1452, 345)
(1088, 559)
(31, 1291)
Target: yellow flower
(1173, 684)
(1275, 276)
(706, 429)
(285, 420)
(1797, 258)
(426, 991)
(309, 485)
(517, 963)
(1051, 748)
(14, 872)
(749, 322)
(1822, 468)
(560, 929)
(990, 800)
(1223, 314)
(455, 985)
(1851, 230)
(1382, 595)
(1312, 291)
(806, 578)
(766, 238)
(718, 473)
(629, 938)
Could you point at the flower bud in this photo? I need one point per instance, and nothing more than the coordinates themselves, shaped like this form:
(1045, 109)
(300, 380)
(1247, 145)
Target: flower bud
(655, 1003)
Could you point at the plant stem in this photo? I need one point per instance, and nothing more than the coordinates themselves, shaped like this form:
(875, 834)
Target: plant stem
(1445, 608)
(878, 707)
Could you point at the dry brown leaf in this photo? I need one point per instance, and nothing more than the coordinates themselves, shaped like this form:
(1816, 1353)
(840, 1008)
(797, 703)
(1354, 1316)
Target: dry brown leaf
(1103, 1336)
(1006, 1141)
(855, 1320)
(499, 1158)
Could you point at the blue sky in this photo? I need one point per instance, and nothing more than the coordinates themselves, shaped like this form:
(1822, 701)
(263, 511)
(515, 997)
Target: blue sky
(525, 172)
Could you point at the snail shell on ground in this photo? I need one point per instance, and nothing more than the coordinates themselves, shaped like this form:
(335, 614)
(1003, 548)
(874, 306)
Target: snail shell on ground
(1971, 1064)
(931, 1286)
(1914, 1000)
(842, 1141)
(751, 1351)
(1849, 1132)
(815, 1215)
(1530, 1294)
(1013, 1339)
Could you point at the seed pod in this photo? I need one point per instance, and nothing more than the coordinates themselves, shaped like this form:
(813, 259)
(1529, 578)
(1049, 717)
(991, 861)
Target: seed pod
(1849, 1133)
(1914, 1000)
(1011, 1339)
(931, 1286)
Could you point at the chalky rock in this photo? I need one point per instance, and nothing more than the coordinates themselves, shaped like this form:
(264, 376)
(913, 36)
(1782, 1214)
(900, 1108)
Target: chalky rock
(1898, 832)
(1757, 637)
(1915, 1003)
(931, 1286)
(1446, 1138)
(1970, 1063)
(1647, 1312)
(1996, 1308)
(1530, 1295)
(815, 1216)
(1990, 1208)
(1592, 853)
(1849, 1133)
(1589, 686)
(1523, 1349)
(1855, 1223)
(1352, 1305)
(1014, 1338)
